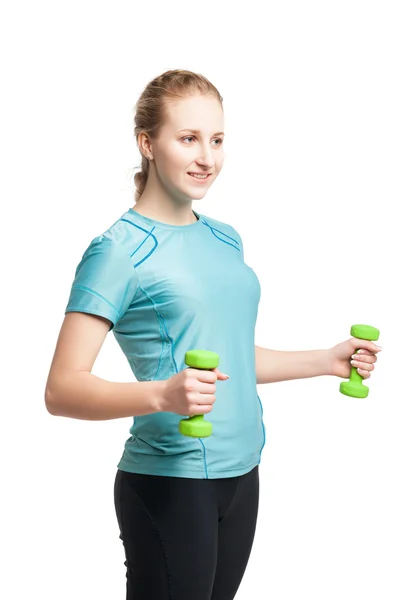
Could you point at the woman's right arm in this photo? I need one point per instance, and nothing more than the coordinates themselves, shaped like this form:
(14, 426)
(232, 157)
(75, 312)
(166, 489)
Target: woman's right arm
(73, 391)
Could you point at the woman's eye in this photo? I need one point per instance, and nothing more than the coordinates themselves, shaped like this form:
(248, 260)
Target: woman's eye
(191, 137)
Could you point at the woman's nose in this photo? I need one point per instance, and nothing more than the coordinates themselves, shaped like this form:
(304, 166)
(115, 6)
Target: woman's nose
(206, 158)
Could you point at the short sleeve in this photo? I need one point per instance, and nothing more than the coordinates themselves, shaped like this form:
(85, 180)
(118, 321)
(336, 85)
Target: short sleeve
(105, 281)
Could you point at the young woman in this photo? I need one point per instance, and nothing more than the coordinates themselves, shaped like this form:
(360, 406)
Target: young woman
(167, 279)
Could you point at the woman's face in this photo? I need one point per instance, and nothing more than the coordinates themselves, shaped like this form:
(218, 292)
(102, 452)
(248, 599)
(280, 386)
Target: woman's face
(189, 141)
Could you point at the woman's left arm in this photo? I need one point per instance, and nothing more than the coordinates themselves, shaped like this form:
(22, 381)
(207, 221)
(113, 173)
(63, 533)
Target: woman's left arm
(281, 365)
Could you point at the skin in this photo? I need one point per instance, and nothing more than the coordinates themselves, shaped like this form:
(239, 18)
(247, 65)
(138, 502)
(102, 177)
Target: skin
(364, 359)
(276, 365)
(175, 152)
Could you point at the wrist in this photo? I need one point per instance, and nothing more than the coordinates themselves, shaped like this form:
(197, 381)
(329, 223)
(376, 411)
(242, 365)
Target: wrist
(327, 362)
(159, 403)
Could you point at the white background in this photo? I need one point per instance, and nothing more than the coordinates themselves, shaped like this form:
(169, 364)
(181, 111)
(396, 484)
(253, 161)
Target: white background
(310, 181)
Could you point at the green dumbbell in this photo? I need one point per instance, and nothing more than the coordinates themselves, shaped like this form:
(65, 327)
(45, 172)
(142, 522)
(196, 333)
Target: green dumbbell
(196, 426)
(355, 387)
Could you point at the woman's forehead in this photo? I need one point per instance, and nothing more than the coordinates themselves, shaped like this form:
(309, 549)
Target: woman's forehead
(202, 113)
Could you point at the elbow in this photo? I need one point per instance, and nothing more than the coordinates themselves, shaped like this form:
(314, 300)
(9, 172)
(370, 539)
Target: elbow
(50, 402)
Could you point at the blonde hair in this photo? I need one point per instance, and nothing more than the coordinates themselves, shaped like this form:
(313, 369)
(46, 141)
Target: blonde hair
(149, 114)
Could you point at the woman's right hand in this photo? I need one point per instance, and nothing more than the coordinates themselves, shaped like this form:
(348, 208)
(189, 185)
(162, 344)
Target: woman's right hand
(191, 391)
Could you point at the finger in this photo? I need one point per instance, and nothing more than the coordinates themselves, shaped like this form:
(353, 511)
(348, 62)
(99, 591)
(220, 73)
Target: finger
(363, 373)
(366, 344)
(364, 358)
(220, 374)
(366, 352)
(204, 375)
(363, 366)
(205, 400)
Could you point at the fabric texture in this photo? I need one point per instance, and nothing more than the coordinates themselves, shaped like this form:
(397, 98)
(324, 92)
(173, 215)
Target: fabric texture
(185, 539)
(167, 289)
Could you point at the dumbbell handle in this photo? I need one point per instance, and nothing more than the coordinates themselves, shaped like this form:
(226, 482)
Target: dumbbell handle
(196, 426)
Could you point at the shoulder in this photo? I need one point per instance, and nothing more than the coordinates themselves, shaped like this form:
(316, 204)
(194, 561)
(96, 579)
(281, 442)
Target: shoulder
(106, 246)
(118, 239)
(224, 228)
(220, 226)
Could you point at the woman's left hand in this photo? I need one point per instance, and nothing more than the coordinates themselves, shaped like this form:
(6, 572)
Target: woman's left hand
(364, 360)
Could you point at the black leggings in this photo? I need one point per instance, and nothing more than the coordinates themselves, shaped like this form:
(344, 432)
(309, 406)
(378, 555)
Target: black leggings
(185, 539)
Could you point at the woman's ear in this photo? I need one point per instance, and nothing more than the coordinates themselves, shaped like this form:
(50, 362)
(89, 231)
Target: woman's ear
(144, 144)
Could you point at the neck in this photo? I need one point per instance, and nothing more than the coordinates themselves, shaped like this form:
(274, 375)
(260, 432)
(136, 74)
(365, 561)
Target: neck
(157, 204)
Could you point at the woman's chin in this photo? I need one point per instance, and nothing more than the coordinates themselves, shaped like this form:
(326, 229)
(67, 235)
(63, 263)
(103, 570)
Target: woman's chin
(196, 193)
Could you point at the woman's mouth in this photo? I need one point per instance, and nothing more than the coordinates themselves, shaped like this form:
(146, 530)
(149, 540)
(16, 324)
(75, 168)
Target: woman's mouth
(200, 177)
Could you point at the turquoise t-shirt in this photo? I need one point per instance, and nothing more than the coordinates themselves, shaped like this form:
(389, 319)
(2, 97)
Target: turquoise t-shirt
(168, 289)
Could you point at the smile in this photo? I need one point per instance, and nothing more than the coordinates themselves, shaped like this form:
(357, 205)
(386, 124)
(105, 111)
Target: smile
(199, 177)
